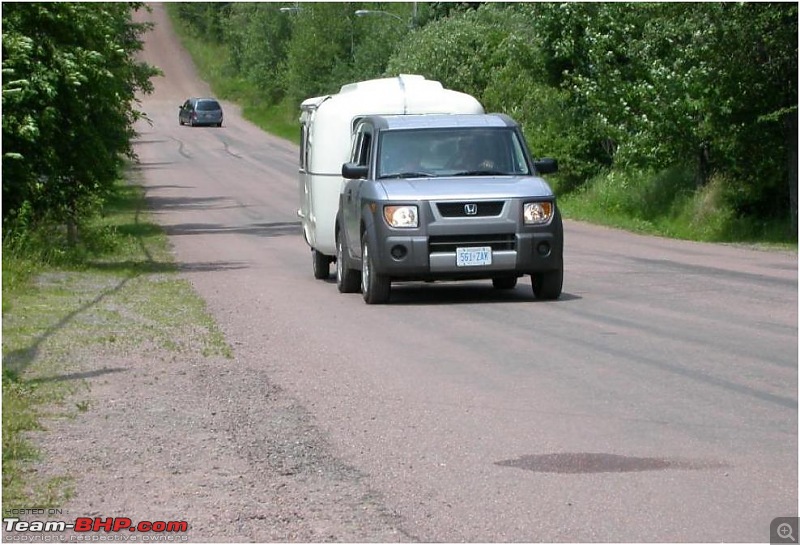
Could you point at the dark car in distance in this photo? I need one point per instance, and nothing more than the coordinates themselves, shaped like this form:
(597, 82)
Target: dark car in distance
(200, 111)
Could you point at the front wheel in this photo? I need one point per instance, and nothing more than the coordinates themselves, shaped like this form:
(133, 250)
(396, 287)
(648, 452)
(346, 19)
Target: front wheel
(321, 264)
(346, 278)
(547, 285)
(375, 288)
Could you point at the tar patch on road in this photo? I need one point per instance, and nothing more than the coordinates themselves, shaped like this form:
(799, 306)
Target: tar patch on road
(593, 462)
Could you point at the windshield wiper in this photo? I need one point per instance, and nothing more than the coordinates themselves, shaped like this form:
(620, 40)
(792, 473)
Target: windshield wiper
(481, 173)
(406, 175)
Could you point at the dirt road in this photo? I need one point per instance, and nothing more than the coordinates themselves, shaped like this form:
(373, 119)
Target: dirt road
(656, 401)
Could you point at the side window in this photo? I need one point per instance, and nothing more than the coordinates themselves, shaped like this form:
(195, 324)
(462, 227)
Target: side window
(520, 164)
(356, 145)
(365, 150)
(361, 151)
(303, 146)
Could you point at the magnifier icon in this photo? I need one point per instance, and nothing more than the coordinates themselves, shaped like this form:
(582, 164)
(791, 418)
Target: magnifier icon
(785, 531)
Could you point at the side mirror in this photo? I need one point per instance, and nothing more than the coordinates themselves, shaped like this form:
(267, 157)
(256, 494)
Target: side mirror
(352, 171)
(546, 165)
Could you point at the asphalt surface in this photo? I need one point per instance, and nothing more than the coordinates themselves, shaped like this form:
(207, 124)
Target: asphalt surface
(655, 401)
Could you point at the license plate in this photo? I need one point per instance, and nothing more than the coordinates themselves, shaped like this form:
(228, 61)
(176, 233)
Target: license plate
(474, 257)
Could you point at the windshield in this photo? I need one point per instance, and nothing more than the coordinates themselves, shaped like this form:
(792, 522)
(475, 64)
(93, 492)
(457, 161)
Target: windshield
(450, 151)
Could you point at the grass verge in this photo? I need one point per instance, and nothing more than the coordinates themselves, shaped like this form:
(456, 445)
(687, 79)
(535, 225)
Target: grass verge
(66, 311)
(669, 204)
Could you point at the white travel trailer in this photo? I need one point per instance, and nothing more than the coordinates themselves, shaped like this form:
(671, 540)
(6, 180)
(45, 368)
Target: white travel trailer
(327, 124)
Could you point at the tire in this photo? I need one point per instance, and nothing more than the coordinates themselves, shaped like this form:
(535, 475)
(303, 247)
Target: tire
(347, 279)
(321, 264)
(375, 288)
(504, 282)
(547, 285)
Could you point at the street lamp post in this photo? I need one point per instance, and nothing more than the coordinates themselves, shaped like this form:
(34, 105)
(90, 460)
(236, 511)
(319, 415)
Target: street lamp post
(411, 23)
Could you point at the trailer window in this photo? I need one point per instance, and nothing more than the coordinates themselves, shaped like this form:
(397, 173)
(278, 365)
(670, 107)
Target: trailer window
(303, 146)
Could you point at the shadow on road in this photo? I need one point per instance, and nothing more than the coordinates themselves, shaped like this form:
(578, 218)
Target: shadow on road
(276, 229)
(456, 293)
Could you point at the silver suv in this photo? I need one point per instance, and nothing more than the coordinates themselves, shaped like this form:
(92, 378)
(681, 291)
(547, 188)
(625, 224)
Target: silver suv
(446, 197)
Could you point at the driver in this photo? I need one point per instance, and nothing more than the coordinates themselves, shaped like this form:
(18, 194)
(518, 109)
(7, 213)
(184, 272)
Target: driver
(402, 159)
(471, 155)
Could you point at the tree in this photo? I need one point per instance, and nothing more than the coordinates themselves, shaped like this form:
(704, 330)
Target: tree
(257, 36)
(320, 53)
(69, 93)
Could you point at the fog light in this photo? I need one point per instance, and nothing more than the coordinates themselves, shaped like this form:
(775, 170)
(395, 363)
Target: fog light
(398, 252)
(543, 249)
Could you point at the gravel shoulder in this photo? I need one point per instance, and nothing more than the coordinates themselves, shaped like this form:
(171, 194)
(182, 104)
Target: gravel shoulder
(208, 440)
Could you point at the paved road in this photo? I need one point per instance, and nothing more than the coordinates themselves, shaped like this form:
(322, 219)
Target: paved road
(655, 401)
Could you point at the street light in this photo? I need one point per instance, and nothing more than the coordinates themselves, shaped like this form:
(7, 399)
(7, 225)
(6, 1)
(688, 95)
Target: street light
(362, 12)
(294, 9)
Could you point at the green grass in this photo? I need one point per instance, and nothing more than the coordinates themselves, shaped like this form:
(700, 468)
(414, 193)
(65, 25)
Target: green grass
(669, 204)
(211, 60)
(116, 292)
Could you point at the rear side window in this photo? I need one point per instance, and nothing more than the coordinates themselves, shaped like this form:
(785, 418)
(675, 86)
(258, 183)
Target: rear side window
(208, 105)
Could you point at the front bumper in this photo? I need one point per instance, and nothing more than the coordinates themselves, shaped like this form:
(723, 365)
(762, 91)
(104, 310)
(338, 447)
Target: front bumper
(427, 258)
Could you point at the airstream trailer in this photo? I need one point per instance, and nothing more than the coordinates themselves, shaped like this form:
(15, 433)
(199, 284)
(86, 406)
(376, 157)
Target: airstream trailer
(327, 124)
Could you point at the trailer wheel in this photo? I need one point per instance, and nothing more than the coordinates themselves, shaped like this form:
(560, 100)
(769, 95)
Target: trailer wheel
(321, 264)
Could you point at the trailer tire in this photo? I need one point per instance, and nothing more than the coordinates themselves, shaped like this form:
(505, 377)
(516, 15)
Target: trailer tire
(321, 264)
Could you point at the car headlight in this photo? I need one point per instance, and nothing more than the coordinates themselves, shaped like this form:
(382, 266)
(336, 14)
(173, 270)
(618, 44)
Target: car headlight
(401, 216)
(537, 212)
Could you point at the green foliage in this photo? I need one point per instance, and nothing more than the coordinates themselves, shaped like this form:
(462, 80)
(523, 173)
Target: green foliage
(208, 18)
(320, 52)
(257, 36)
(707, 89)
(69, 82)
(668, 203)
(464, 50)
(668, 84)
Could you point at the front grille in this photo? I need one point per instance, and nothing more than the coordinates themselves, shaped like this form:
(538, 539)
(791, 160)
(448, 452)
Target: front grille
(459, 209)
(449, 243)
